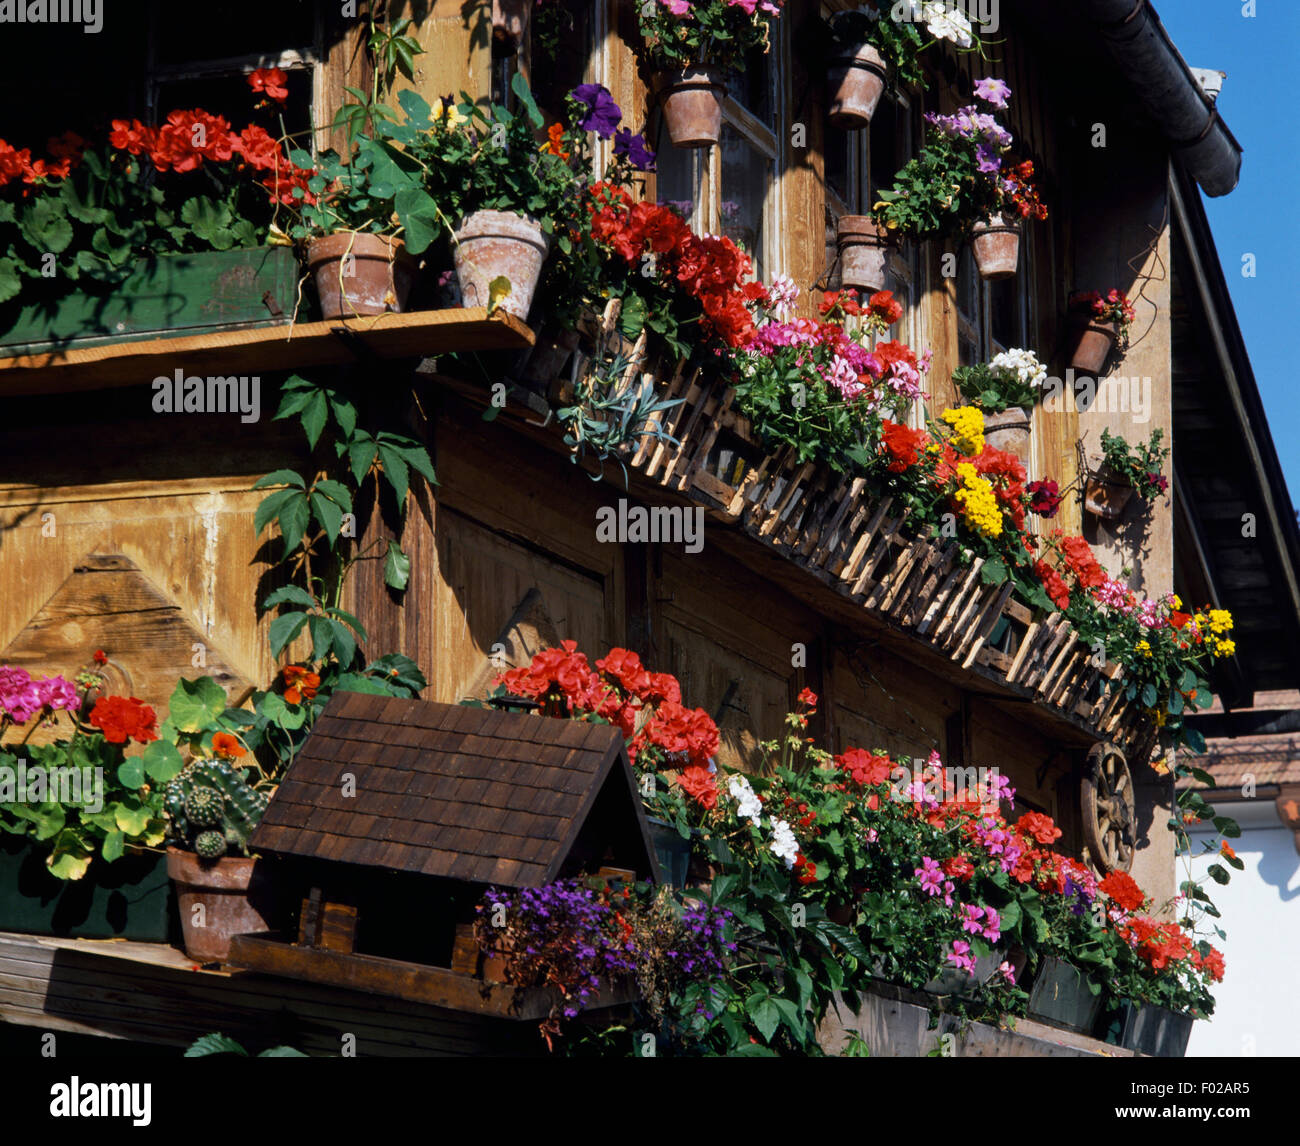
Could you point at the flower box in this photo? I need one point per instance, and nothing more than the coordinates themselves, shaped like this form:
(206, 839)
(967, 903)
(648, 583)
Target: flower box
(168, 295)
(672, 852)
(127, 899)
(1150, 1030)
(1062, 997)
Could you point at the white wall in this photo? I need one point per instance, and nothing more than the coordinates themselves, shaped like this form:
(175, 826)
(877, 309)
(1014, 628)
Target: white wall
(1258, 1003)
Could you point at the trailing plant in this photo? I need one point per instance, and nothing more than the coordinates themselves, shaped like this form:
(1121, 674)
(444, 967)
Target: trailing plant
(1012, 378)
(963, 174)
(679, 34)
(1138, 465)
(611, 410)
(894, 30)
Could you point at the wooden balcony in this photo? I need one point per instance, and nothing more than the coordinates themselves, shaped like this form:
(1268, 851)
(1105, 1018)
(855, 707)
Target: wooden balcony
(830, 532)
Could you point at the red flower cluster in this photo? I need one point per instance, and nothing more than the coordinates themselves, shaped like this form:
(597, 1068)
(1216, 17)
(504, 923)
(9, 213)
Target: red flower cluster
(122, 718)
(1055, 585)
(1124, 890)
(1158, 943)
(1006, 473)
(645, 706)
(1038, 827)
(19, 164)
(709, 269)
(188, 139)
(1021, 194)
(1113, 306)
(902, 444)
(270, 81)
(866, 769)
(1079, 557)
(882, 305)
(806, 869)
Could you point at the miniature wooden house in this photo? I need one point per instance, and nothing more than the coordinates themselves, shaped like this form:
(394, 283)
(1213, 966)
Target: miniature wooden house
(399, 814)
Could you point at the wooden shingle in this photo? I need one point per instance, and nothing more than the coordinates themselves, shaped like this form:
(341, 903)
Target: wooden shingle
(454, 791)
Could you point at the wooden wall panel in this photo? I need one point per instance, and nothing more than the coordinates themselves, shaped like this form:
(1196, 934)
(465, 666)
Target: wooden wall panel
(884, 702)
(480, 580)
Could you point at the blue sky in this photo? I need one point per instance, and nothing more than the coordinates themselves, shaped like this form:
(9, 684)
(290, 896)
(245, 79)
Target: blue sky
(1258, 103)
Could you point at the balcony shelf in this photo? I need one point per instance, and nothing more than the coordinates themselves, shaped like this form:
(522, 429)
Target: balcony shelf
(262, 350)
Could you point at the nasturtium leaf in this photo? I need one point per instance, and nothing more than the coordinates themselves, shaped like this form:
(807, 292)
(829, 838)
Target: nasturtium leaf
(195, 705)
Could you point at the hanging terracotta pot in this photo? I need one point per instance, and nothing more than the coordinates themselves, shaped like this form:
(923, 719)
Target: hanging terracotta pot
(357, 273)
(500, 244)
(855, 82)
(1106, 493)
(996, 243)
(1096, 342)
(509, 25)
(692, 105)
(1009, 431)
(219, 899)
(863, 245)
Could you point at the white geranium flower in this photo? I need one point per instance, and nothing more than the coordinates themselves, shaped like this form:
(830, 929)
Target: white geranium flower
(1023, 364)
(748, 805)
(784, 845)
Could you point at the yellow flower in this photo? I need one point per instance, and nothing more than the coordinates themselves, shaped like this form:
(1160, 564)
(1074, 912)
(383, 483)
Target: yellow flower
(978, 501)
(967, 429)
(1225, 648)
(1143, 647)
(1220, 621)
(1178, 601)
(454, 118)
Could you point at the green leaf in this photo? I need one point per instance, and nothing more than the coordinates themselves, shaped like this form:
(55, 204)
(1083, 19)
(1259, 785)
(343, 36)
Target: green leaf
(162, 761)
(291, 593)
(396, 472)
(328, 513)
(314, 415)
(284, 629)
(345, 645)
(130, 773)
(132, 817)
(214, 1044)
(1218, 873)
(210, 221)
(764, 1013)
(114, 844)
(499, 289)
(322, 636)
(282, 1052)
(993, 572)
(269, 508)
(1226, 826)
(397, 567)
(294, 518)
(1149, 695)
(45, 226)
(195, 705)
(361, 455)
(11, 282)
(280, 477)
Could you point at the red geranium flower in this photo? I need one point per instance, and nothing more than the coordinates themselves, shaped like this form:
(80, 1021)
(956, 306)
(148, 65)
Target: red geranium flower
(1123, 889)
(701, 785)
(270, 81)
(122, 718)
(1039, 826)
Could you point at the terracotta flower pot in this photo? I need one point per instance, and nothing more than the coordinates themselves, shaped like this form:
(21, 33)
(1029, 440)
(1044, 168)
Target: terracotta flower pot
(692, 105)
(855, 82)
(1096, 342)
(863, 246)
(1009, 431)
(500, 244)
(234, 893)
(359, 274)
(996, 243)
(510, 25)
(1106, 493)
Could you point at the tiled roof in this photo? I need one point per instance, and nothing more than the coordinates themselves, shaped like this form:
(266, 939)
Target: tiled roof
(452, 791)
(1271, 759)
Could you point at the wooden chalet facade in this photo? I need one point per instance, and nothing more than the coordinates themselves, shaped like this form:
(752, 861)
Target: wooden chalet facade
(805, 579)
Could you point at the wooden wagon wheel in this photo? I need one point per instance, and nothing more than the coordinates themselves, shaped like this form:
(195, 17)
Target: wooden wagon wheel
(1109, 809)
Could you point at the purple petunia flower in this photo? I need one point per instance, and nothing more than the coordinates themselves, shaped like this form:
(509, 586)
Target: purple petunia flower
(993, 91)
(633, 146)
(603, 114)
(987, 159)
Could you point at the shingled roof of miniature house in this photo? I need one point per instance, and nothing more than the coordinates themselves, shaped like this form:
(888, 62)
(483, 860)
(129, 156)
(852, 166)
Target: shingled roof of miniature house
(456, 792)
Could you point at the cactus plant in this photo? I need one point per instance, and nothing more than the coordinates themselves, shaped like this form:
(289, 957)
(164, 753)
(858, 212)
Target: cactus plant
(213, 809)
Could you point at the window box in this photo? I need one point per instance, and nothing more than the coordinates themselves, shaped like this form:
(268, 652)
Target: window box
(168, 295)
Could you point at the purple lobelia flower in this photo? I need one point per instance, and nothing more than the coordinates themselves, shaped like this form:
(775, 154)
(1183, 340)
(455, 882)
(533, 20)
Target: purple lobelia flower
(603, 114)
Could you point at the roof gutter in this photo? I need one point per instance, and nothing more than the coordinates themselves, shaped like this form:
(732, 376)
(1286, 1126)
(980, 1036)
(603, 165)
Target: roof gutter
(1139, 44)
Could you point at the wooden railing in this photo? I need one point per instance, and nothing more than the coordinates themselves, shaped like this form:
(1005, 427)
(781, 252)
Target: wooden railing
(851, 539)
